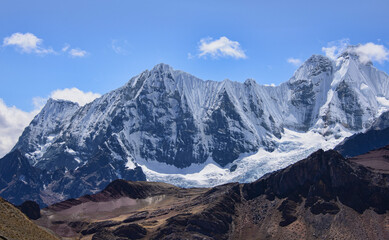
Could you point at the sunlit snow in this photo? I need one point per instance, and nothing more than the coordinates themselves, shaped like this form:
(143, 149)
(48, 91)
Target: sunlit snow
(292, 147)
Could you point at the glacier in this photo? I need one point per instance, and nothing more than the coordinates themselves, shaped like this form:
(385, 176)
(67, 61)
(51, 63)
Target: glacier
(292, 147)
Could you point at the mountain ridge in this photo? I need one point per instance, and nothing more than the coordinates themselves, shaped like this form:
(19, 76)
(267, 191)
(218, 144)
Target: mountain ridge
(161, 76)
(167, 125)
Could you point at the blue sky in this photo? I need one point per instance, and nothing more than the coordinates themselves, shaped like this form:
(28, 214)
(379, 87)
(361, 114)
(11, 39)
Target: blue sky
(150, 32)
(97, 46)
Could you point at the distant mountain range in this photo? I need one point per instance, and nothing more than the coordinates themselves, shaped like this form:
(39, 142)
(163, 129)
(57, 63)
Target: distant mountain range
(167, 125)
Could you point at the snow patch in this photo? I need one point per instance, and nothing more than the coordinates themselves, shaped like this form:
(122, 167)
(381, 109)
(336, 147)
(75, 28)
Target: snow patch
(364, 86)
(70, 151)
(130, 164)
(383, 101)
(163, 168)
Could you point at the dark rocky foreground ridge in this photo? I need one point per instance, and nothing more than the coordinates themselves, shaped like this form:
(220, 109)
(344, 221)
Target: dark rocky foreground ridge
(324, 196)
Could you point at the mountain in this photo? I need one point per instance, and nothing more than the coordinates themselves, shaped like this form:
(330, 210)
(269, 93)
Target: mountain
(319, 197)
(374, 137)
(19, 181)
(167, 125)
(15, 225)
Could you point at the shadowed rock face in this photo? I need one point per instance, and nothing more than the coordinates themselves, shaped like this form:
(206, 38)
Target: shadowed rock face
(350, 105)
(31, 209)
(303, 97)
(19, 181)
(318, 197)
(228, 142)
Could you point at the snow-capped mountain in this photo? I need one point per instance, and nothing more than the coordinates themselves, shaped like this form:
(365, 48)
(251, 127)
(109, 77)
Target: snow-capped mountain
(183, 130)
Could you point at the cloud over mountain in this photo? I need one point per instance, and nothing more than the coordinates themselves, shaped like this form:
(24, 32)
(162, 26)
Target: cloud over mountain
(222, 47)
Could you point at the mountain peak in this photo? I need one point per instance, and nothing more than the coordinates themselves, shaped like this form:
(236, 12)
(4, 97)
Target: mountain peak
(57, 106)
(313, 66)
(162, 67)
(349, 52)
(316, 60)
(53, 101)
(353, 53)
(250, 82)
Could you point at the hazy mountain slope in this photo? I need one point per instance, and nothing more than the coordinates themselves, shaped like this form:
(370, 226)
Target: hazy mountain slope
(375, 137)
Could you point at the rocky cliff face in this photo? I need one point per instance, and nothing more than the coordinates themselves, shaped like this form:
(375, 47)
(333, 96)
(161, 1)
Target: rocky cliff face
(163, 122)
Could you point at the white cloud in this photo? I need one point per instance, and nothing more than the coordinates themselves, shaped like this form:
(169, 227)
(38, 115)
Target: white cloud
(335, 48)
(294, 61)
(222, 47)
(39, 102)
(371, 52)
(330, 51)
(76, 52)
(190, 56)
(120, 46)
(66, 47)
(367, 52)
(12, 123)
(74, 95)
(27, 43)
